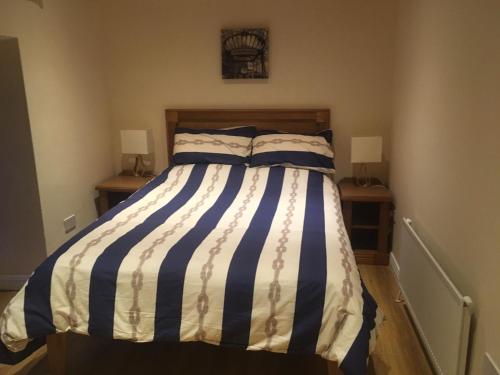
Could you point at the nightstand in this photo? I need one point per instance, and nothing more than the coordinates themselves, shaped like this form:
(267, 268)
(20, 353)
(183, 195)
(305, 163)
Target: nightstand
(116, 189)
(368, 217)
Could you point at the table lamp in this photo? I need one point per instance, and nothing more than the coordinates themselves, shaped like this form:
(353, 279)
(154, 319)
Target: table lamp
(138, 143)
(365, 150)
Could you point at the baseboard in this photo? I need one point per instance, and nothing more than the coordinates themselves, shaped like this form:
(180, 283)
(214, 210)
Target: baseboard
(393, 263)
(12, 282)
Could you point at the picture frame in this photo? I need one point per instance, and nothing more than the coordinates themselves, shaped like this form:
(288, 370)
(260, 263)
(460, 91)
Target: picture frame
(245, 53)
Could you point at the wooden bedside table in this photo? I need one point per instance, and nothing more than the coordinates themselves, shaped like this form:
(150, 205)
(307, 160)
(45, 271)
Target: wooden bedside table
(117, 189)
(368, 219)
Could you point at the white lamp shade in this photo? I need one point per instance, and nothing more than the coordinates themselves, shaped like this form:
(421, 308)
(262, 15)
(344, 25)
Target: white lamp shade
(366, 149)
(137, 141)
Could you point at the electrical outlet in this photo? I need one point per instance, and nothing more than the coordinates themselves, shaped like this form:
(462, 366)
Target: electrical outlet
(147, 163)
(69, 223)
(490, 368)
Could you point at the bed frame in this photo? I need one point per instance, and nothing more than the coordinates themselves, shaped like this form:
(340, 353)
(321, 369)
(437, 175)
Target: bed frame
(305, 121)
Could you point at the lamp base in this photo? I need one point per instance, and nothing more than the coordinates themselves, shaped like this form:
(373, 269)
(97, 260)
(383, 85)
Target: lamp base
(363, 179)
(139, 167)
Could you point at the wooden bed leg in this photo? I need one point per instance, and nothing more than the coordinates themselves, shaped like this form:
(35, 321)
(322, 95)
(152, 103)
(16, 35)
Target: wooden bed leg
(333, 368)
(56, 348)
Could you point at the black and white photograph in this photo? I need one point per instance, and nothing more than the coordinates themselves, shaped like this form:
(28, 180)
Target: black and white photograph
(245, 53)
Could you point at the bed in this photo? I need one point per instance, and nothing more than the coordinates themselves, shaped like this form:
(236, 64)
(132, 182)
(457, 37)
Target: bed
(255, 258)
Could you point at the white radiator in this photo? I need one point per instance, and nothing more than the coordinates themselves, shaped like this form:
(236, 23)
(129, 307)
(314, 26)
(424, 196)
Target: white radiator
(440, 312)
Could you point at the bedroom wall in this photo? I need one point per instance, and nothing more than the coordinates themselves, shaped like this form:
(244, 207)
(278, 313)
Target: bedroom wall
(446, 147)
(20, 207)
(326, 53)
(67, 103)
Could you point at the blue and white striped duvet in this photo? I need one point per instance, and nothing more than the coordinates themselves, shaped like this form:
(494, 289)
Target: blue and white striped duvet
(256, 258)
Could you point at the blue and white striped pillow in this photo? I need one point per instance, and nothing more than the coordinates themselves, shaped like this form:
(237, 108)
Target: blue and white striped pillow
(217, 146)
(312, 152)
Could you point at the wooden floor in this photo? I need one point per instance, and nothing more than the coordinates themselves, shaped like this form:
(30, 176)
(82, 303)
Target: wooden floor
(398, 350)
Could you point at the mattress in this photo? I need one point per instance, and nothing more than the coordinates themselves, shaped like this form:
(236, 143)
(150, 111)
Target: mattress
(256, 258)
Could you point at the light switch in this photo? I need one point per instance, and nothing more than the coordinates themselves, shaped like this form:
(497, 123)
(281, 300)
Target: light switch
(490, 368)
(69, 223)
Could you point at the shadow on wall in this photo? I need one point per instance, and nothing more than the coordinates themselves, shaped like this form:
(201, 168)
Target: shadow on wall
(21, 227)
(38, 2)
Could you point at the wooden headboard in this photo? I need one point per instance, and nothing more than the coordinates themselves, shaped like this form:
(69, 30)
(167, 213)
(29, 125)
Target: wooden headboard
(289, 120)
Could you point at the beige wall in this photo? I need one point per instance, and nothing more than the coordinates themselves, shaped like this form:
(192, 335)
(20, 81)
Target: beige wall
(336, 54)
(445, 168)
(67, 102)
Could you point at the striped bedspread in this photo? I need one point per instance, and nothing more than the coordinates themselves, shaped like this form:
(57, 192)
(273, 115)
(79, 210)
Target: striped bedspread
(256, 258)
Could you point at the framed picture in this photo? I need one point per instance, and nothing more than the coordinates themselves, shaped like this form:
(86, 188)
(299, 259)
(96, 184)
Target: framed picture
(245, 53)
